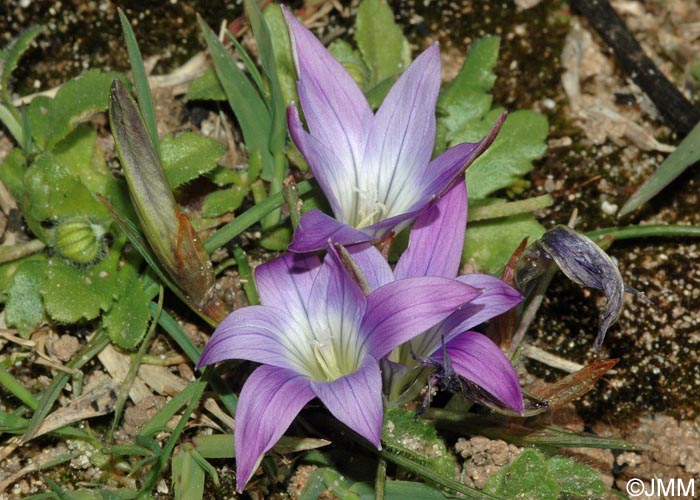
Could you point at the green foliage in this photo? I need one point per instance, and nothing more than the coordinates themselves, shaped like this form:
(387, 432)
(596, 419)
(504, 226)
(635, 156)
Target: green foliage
(12, 173)
(142, 88)
(188, 156)
(127, 320)
(282, 49)
(51, 120)
(9, 59)
(247, 104)
(520, 141)
(24, 309)
(533, 476)
(383, 46)
(188, 476)
(417, 438)
(466, 115)
(206, 87)
(352, 61)
(508, 232)
(72, 295)
(53, 193)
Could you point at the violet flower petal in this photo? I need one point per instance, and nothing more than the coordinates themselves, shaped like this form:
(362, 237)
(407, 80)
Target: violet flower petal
(336, 307)
(335, 108)
(285, 282)
(400, 310)
(255, 333)
(476, 358)
(402, 136)
(497, 298)
(356, 400)
(373, 265)
(437, 238)
(329, 171)
(444, 170)
(316, 228)
(270, 400)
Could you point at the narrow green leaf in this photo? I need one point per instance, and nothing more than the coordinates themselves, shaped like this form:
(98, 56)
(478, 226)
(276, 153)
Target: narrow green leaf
(253, 116)
(250, 217)
(278, 128)
(49, 395)
(381, 41)
(143, 89)
(687, 153)
(281, 46)
(9, 59)
(15, 387)
(188, 156)
(188, 476)
(246, 276)
(12, 123)
(249, 65)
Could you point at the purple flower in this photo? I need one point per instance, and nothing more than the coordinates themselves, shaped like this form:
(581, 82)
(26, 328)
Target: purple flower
(375, 170)
(317, 334)
(435, 248)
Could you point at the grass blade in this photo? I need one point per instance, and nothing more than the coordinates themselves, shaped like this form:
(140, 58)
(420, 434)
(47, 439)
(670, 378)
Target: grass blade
(98, 342)
(143, 89)
(9, 59)
(251, 111)
(250, 217)
(687, 153)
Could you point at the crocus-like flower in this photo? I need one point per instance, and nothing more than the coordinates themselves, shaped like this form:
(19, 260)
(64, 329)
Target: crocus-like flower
(375, 170)
(435, 248)
(317, 334)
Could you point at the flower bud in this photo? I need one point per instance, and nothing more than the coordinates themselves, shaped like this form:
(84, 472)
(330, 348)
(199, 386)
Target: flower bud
(79, 240)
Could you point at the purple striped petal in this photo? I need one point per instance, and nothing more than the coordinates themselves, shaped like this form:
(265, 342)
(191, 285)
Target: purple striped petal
(497, 298)
(402, 136)
(329, 170)
(255, 333)
(335, 108)
(446, 168)
(336, 307)
(356, 400)
(400, 310)
(437, 238)
(316, 228)
(372, 264)
(285, 282)
(476, 358)
(270, 400)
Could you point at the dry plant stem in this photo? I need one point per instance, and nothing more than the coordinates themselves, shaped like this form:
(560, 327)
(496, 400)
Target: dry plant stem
(531, 308)
(550, 359)
(678, 112)
(14, 252)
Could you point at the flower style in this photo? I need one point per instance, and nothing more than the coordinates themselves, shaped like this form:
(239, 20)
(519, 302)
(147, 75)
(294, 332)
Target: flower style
(317, 334)
(435, 248)
(375, 170)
